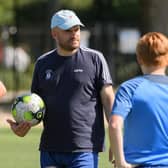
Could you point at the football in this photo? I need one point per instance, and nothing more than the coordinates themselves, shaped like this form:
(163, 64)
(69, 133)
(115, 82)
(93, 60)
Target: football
(28, 107)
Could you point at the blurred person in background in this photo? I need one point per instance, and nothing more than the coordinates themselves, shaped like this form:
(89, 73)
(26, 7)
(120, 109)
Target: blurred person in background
(2, 89)
(76, 85)
(141, 106)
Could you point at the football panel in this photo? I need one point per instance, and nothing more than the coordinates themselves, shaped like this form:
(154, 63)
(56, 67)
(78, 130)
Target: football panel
(28, 116)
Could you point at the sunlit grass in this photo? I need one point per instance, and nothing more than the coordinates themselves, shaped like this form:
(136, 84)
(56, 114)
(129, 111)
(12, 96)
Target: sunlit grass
(16, 152)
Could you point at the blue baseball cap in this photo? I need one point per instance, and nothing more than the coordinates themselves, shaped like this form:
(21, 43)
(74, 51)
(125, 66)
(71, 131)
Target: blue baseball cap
(65, 19)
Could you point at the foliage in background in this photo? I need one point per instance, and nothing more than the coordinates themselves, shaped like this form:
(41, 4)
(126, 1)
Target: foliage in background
(118, 8)
(7, 11)
(76, 4)
(126, 10)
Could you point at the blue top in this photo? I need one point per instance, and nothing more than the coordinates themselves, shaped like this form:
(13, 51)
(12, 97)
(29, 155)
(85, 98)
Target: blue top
(70, 87)
(142, 102)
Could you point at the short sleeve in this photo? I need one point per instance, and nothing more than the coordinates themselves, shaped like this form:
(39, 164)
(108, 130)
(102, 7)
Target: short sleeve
(124, 98)
(122, 104)
(103, 73)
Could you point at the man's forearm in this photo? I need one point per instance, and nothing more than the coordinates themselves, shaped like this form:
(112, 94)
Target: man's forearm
(107, 97)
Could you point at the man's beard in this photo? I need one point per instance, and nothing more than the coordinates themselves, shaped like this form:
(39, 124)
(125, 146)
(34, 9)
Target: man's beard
(69, 47)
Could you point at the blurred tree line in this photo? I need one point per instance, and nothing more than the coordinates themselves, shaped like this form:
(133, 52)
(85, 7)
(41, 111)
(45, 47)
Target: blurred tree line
(103, 18)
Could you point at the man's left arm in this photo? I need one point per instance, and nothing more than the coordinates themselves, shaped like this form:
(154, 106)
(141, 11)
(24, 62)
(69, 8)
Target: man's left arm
(107, 98)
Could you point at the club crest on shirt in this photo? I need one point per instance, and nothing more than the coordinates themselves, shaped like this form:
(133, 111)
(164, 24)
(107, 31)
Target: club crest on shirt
(48, 73)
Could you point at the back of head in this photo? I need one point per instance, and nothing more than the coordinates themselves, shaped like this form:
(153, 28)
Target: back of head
(152, 49)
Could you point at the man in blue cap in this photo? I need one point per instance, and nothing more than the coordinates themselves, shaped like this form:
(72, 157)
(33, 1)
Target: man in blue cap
(75, 84)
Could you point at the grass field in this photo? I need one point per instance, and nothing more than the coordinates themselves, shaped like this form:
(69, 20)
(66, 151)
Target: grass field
(16, 152)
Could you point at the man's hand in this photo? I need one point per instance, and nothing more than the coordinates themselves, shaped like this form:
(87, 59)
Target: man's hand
(20, 129)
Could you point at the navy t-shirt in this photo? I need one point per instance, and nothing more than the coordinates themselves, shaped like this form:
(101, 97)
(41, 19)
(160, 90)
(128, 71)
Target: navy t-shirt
(70, 87)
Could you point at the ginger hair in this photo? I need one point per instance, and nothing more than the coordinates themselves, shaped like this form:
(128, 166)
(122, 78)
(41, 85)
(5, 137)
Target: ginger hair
(152, 49)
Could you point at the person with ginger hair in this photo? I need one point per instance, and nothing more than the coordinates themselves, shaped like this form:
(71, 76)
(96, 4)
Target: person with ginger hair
(140, 107)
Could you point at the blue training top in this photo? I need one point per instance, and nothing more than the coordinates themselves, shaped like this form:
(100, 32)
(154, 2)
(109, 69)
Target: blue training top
(143, 103)
(70, 87)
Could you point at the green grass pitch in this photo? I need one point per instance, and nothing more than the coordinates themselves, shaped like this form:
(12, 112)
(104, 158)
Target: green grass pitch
(17, 152)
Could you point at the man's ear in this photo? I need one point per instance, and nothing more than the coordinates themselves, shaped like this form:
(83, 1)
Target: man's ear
(139, 60)
(53, 33)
